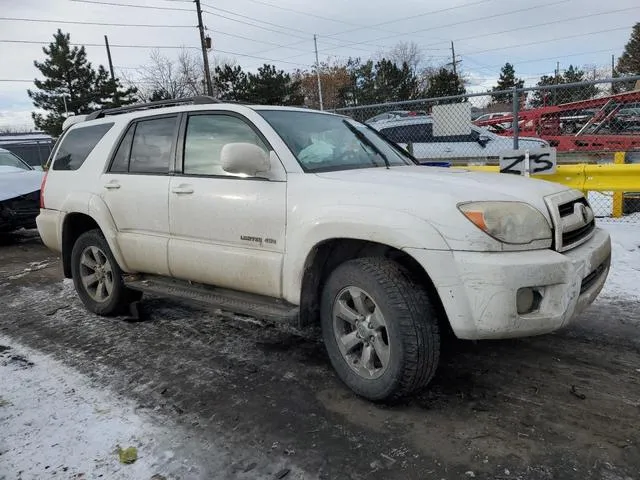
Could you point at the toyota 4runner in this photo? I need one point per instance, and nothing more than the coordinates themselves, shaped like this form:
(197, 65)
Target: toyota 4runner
(301, 216)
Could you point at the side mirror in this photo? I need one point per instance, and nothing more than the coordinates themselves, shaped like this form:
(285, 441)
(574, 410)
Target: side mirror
(483, 140)
(244, 159)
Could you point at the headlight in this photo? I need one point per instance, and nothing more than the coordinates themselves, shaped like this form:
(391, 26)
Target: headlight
(509, 222)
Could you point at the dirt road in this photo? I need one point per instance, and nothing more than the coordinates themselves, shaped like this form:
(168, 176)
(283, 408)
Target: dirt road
(560, 406)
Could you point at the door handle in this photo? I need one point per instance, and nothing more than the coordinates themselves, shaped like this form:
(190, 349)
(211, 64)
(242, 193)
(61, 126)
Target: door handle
(111, 185)
(182, 190)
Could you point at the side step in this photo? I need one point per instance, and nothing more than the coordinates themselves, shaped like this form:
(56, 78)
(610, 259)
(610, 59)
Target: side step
(265, 308)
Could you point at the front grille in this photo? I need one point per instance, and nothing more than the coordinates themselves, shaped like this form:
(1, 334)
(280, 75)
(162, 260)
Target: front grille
(590, 279)
(573, 219)
(574, 236)
(567, 209)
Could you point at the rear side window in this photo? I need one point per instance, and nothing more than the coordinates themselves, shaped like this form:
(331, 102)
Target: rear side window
(421, 133)
(120, 162)
(77, 144)
(152, 145)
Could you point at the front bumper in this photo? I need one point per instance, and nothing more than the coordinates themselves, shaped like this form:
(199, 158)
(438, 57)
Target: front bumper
(478, 290)
(19, 212)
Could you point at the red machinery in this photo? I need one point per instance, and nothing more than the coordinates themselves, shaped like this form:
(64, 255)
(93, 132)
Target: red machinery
(570, 129)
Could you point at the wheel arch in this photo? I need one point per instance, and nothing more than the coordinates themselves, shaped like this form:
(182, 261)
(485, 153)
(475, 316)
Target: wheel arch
(328, 254)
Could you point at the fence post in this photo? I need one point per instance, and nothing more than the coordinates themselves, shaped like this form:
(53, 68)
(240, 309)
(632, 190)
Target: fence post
(516, 111)
(618, 197)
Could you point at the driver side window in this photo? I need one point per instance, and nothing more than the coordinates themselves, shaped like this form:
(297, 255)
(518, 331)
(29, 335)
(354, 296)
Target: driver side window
(205, 137)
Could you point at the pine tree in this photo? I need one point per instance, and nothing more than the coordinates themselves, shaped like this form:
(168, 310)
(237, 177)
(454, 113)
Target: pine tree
(110, 93)
(506, 81)
(629, 61)
(230, 83)
(574, 94)
(273, 87)
(71, 79)
(445, 83)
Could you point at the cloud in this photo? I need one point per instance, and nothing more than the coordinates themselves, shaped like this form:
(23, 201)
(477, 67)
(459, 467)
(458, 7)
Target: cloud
(257, 31)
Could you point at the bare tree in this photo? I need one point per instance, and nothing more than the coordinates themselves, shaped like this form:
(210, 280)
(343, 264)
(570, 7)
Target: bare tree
(401, 52)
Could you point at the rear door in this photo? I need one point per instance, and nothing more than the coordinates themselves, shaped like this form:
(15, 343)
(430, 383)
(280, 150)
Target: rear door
(136, 189)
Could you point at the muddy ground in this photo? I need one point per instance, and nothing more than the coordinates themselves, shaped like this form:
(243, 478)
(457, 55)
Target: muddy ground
(561, 406)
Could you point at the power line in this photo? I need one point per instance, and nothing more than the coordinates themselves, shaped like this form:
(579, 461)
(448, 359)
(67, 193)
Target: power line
(98, 2)
(33, 42)
(37, 20)
(251, 18)
(300, 12)
(538, 42)
(444, 26)
(520, 28)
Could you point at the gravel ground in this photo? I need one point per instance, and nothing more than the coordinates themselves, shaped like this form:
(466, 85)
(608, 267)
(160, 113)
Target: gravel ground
(205, 394)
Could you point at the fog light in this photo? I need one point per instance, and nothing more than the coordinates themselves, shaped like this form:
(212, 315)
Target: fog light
(525, 299)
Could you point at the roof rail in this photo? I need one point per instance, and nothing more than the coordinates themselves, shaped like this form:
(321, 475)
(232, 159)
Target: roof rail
(197, 100)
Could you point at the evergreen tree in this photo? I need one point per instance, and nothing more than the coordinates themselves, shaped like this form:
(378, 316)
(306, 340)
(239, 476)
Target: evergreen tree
(506, 81)
(575, 94)
(230, 83)
(629, 61)
(71, 79)
(273, 87)
(445, 83)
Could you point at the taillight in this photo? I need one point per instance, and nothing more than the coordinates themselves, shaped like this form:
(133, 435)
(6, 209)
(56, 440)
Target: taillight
(44, 182)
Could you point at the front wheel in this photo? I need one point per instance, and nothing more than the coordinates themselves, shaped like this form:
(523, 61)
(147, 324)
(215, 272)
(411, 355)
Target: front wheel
(97, 277)
(380, 329)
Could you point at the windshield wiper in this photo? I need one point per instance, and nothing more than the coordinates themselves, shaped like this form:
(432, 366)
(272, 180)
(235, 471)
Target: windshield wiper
(364, 139)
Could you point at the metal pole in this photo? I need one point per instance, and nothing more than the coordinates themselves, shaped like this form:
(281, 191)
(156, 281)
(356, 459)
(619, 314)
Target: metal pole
(315, 44)
(203, 44)
(453, 59)
(613, 72)
(106, 44)
(515, 114)
(64, 100)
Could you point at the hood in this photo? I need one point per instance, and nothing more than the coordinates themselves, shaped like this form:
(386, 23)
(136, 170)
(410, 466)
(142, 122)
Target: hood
(452, 185)
(16, 181)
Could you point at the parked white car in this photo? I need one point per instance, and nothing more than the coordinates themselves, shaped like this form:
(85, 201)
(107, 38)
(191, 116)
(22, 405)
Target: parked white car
(19, 192)
(308, 217)
(416, 135)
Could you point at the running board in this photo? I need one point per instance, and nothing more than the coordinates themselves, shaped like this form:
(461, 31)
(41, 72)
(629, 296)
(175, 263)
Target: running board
(259, 306)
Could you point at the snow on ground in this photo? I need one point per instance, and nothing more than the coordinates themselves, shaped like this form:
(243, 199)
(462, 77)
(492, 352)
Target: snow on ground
(624, 276)
(54, 424)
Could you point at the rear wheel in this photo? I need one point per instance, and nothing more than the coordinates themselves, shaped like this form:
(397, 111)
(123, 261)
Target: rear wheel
(379, 328)
(97, 276)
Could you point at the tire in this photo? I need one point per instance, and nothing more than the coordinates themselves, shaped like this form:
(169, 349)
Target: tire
(411, 345)
(118, 297)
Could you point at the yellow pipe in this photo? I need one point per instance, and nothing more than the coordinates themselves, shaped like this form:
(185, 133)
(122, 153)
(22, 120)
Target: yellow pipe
(618, 197)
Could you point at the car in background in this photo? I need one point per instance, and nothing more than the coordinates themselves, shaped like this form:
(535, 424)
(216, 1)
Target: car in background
(416, 136)
(19, 193)
(395, 114)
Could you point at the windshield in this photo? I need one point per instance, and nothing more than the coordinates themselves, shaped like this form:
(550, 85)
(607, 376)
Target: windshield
(323, 143)
(8, 159)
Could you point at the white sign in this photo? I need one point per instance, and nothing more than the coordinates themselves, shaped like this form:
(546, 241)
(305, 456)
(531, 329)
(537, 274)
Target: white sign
(541, 161)
(451, 119)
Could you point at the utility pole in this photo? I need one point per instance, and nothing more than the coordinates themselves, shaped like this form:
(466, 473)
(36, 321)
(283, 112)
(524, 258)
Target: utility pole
(203, 44)
(315, 44)
(557, 81)
(613, 73)
(106, 44)
(453, 59)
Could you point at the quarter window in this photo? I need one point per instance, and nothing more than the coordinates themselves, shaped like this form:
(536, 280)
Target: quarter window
(77, 144)
(207, 135)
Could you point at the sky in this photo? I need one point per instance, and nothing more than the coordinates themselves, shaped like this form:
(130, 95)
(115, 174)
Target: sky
(531, 34)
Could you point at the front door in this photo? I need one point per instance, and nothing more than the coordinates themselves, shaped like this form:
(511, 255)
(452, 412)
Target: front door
(226, 230)
(136, 190)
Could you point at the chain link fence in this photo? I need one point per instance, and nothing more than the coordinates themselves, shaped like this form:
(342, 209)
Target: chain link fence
(593, 122)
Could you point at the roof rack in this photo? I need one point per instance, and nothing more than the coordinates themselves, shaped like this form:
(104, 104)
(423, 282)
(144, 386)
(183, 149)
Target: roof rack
(197, 100)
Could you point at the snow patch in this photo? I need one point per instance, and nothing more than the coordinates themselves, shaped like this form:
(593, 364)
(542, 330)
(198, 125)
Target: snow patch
(55, 422)
(624, 277)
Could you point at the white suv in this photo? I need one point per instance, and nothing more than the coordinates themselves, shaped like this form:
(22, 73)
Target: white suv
(308, 217)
